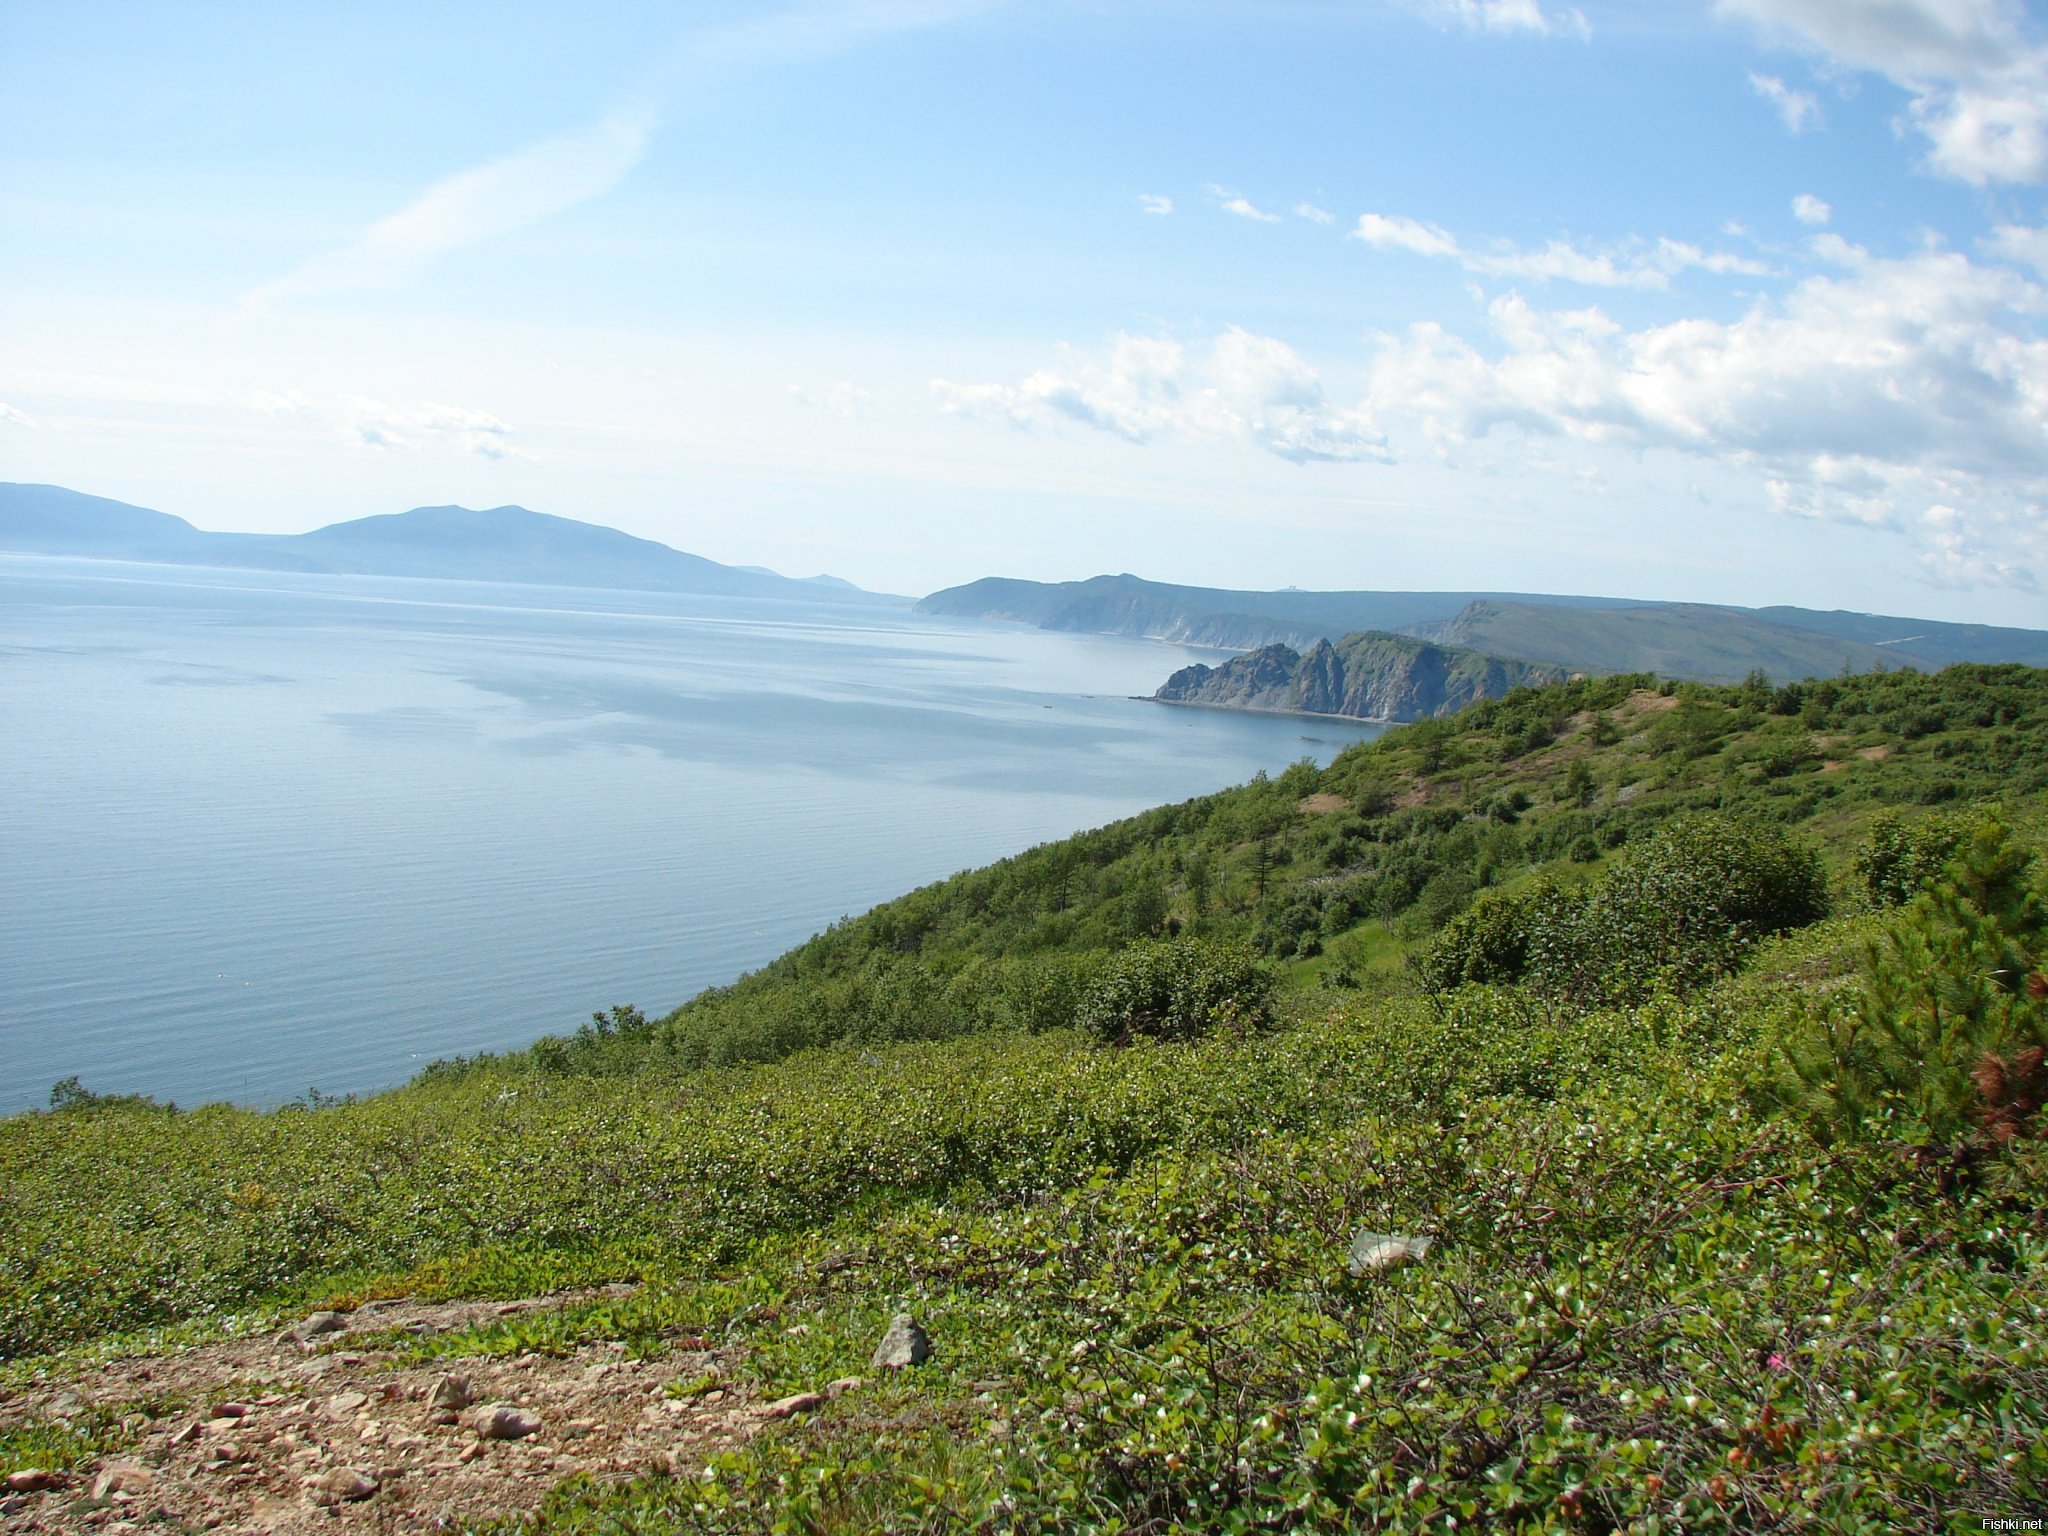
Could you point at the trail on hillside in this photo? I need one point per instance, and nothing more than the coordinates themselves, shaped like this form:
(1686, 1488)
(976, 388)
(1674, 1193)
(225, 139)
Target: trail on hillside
(282, 1434)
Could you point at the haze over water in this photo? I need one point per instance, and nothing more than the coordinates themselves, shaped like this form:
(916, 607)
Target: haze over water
(272, 832)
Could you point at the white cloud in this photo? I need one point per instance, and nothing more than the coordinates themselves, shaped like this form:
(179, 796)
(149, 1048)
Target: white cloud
(1868, 396)
(1638, 264)
(15, 418)
(270, 403)
(842, 397)
(1251, 390)
(1808, 209)
(1798, 110)
(1503, 16)
(373, 424)
(1230, 202)
(1314, 214)
(2023, 244)
(1976, 70)
(1154, 202)
(485, 202)
(1402, 234)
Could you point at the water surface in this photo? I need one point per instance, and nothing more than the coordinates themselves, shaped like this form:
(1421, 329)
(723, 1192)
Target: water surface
(265, 833)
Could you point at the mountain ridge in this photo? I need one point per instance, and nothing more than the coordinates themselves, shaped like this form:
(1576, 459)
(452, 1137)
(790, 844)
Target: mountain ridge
(1705, 642)
(506, 544)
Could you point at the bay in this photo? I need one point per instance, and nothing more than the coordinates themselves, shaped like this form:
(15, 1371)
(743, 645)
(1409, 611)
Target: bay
(269, 833)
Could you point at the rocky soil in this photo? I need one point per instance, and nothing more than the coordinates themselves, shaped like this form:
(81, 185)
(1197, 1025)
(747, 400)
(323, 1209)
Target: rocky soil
(320, 1430)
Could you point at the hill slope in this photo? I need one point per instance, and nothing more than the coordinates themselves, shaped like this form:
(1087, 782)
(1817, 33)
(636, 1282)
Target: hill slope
(1649, 1197)
(510, 544)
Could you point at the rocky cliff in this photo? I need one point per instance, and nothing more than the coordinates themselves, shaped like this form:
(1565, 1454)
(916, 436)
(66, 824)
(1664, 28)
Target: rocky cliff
(1370, 676)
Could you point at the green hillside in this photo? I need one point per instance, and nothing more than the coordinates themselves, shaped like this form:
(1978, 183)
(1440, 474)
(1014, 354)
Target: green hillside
(1699, 1031)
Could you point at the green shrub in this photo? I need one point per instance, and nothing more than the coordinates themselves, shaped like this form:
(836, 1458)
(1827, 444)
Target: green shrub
(1178, 989)
(1677, 910)
(1943, 1046)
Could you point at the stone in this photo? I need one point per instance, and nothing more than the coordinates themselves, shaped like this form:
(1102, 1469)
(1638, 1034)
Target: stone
(502, 1421)
(30, 1480)
(347, 1485)
(903, 1345)
(842, 1386)
(319, 1323)
(229, 1411)
(123, 1477)
(343, 1404)
(790, 1407)
(450, 1394)
(1373, 1252)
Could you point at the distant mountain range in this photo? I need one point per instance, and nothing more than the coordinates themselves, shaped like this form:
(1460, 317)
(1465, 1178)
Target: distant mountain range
(500, 544)
(1579, 634)
(1371, 675)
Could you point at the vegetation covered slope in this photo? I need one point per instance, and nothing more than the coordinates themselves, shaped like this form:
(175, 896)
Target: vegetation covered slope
(1369, 676)
(1733, 1208)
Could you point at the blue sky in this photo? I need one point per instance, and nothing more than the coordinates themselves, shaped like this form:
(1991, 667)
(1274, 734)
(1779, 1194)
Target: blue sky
(1733, 301)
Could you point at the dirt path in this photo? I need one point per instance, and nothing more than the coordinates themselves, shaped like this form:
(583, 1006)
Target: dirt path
(279, 1435)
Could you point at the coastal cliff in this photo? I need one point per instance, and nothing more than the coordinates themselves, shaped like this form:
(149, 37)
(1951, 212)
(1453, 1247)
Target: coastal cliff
(1369, 676)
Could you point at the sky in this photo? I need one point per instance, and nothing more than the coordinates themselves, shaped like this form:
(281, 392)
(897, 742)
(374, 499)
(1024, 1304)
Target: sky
(1730, 301)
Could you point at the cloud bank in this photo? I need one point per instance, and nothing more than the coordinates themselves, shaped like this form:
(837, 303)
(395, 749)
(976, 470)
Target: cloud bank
(1976, 72)
(1250, 390)
(1637, 264)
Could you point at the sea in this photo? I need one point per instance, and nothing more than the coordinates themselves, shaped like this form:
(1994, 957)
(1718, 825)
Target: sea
(270, 836)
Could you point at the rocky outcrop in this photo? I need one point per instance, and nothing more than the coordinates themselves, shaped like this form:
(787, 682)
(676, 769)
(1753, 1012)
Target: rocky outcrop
(1368, 676)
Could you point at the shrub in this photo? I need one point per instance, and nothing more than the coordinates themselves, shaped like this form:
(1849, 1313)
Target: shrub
(1676, 911)
(1178, 989)
(1944, 1046)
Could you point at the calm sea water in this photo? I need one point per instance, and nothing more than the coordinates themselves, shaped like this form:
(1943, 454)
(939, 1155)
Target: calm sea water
(268, 833)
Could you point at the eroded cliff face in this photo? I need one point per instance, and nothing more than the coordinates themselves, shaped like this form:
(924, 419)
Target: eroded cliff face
(1369, 676)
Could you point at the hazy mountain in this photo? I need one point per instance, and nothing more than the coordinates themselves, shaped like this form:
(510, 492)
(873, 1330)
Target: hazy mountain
(1581, 634)
(1228, 620)
(500, 544)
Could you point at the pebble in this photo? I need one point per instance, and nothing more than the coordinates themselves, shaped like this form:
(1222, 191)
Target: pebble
(502, 1421)
(450, 1394)
(346, 1484)
(30, 1480)
(905, 1344)
(790, 1407)
(229, 1411)
(123, 1477)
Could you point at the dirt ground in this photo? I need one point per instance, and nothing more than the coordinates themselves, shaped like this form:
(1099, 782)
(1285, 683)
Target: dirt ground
(282, 1435)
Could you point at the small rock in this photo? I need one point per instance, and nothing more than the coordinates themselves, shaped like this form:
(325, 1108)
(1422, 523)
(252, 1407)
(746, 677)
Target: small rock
(790, 1407)
(346, 1485)
(229, 1411)
(123, 1477)
(502, 1421)
(451, 1394)
(30, 1480)
(344, 1403)
(1372, 1252)
(66, 1405)
(471, 1453)
(903, 1345)
(319, 1323)
(843, 1385)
